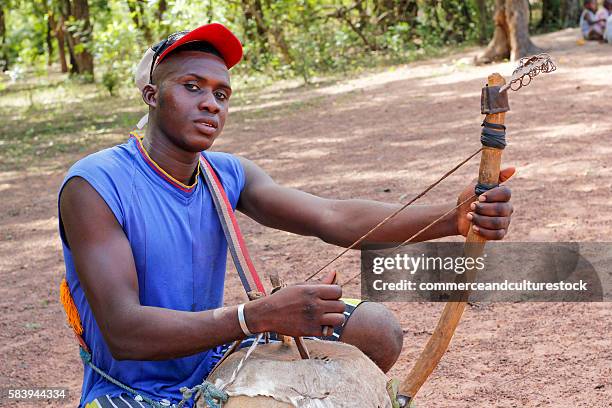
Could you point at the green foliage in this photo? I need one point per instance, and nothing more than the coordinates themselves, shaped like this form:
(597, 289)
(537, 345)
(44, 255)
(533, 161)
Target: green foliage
(110, 80)
(282, 38)
(117, 44)
(24, 44)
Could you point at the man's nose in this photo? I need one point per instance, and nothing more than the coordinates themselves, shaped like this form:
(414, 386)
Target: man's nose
(209, 103)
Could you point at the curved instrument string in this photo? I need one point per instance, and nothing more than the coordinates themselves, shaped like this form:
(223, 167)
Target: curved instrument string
(425, 228)
(393, 215)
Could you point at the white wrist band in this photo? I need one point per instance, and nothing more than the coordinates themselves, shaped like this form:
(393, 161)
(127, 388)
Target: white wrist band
(242, 321)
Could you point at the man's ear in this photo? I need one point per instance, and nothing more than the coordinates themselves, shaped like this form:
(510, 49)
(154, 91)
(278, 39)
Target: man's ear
(149, 95)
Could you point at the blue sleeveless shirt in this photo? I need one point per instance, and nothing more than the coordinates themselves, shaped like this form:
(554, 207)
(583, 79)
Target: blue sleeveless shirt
(179, 251)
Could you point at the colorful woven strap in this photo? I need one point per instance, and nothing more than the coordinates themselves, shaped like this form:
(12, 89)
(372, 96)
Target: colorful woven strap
(248, 275)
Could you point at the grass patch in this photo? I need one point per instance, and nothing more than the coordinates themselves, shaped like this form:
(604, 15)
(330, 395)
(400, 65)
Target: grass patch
(58, 118)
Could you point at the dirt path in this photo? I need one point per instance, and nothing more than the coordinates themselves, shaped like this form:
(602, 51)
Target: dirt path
(383, 136)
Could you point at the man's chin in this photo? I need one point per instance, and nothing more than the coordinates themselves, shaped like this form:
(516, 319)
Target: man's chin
(199, 143)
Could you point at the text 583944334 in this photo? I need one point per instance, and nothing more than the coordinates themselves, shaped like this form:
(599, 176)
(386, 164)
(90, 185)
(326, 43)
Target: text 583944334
(34, 393)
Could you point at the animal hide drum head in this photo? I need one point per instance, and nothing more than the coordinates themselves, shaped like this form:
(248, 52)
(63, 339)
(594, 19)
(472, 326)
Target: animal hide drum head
(274, 376)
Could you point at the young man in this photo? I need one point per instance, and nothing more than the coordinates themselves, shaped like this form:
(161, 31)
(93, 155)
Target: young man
(145, 252)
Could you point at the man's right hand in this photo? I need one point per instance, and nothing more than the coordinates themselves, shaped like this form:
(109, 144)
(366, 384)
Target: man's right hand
(299, 310)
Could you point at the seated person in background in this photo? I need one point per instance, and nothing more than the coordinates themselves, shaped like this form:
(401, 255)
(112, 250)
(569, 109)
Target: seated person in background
(606, 13)
(590, 25)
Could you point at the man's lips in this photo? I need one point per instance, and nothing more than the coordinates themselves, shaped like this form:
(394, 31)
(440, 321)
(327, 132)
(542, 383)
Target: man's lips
(206, 125)
(207, 121)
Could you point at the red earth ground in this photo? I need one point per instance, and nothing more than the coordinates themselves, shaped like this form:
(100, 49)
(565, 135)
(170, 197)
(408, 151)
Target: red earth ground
(383, 136)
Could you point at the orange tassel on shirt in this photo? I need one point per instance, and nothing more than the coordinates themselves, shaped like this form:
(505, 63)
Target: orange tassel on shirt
(72, 313)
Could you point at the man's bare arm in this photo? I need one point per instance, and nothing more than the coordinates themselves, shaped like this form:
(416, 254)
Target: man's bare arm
(107, 273)
(342, 222)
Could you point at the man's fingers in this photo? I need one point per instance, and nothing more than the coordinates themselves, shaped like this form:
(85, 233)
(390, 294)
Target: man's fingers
(332, 319)
(497, 194)
(492, 209)
(506, 173)
(491, 235)
(329, 278)
(328, 292)
(333, 306)
(490, 223)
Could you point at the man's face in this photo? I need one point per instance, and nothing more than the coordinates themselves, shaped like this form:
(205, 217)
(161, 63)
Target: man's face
(592, 6)
(192, 98)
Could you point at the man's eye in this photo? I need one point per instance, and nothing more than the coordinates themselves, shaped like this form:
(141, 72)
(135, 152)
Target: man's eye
(191, 87)
(220, 95)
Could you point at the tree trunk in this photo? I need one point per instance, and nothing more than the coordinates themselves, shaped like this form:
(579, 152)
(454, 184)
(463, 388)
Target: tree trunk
(273, 31)
(262, 28)
(277, 37)
(570, 12)
(49, 40)
(74, 68)
(483, 21)
(79, 39)
(61, 46)
(511, 38)
(550, 14)
(3, 56)
(254, 27)
(517, 14)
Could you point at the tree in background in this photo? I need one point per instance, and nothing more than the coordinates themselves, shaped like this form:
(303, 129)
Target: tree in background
(56, 29)
(3, 56)
(570, 12)
(79, 36)
(142, 18)
(511, 37)
(551, 14)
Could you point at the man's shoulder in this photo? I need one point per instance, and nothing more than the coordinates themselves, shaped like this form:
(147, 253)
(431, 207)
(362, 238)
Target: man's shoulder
(225, 162)
(116, 159)
(222, 158)
(111, 173)
(229, 169)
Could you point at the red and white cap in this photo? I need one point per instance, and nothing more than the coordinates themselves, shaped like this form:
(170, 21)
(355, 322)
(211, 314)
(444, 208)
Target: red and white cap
(215, 34)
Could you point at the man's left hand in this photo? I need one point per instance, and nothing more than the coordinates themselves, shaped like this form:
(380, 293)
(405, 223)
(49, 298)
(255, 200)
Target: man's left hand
(490, 215)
